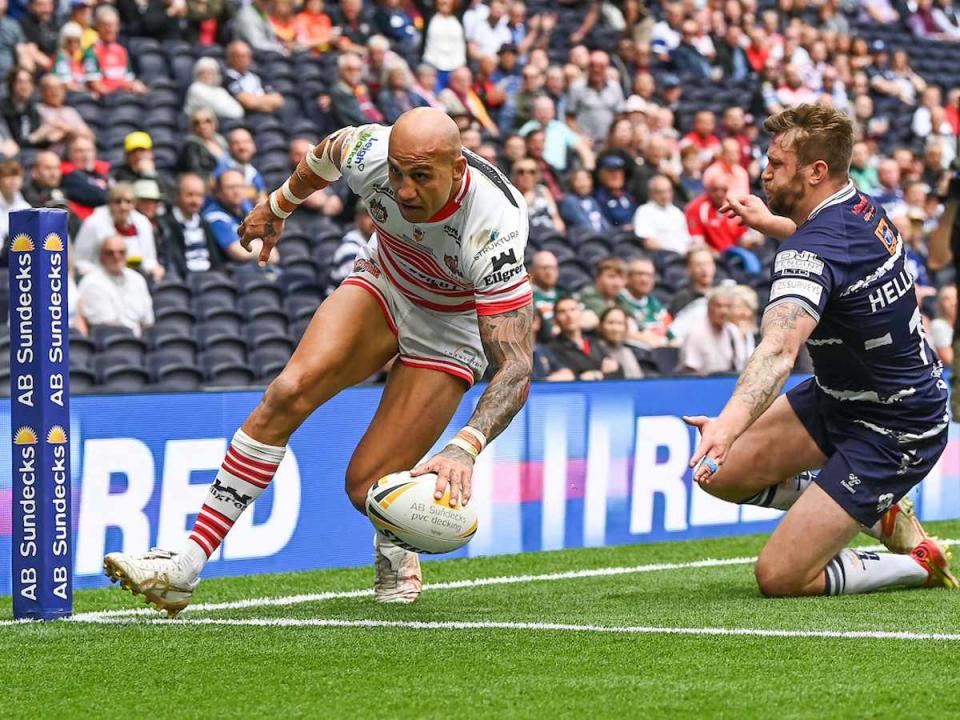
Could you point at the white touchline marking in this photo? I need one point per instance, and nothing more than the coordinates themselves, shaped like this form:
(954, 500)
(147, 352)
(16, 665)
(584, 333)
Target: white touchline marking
(282, 601)
(537, 627)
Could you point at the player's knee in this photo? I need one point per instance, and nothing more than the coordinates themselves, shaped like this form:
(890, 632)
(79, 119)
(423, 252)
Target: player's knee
(774, 580)
(287, 395)
(357, 483)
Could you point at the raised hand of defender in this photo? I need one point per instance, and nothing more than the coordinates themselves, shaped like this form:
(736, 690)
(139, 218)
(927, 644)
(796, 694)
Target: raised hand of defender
(714, 445)
(261, 224)
(454, 468)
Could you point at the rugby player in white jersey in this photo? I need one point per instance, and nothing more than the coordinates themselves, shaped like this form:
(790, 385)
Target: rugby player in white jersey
(441, 286)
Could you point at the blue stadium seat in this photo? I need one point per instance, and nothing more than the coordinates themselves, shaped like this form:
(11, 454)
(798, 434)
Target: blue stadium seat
(230, 374)
(268, 362)
(82, 380)
(573, 277)
(151, 64)
(300, 307)
(171, 287)
(169, 369)
(275, 317)
(257, 288)
(221, 337)
(262, 336)
(116, 372)
(82, 350)
(181, 318)
(298, 328)
(213, 286)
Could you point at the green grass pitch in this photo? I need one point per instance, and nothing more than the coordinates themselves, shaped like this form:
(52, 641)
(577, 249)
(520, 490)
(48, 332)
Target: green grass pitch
(137, 666)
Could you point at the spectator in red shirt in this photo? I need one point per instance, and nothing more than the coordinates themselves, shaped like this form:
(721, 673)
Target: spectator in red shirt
(106, 62)
(705, 221)
(85, 179)
(702, 136)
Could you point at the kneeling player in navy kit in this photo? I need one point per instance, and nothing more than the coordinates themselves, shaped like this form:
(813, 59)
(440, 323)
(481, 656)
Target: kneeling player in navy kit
(873, 417)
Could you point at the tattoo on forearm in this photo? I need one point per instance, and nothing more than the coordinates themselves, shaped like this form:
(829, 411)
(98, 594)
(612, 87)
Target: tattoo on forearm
(508, 343)
(768, 368)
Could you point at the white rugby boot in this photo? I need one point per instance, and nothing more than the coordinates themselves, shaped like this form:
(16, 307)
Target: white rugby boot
(164, 578)
(898, 529)
(398, 578)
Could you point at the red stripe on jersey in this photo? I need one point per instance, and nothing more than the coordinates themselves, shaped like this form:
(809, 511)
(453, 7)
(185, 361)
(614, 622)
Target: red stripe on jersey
(386, 257)
(431, 364)
(242, 475)
(377, 295)
(390, 248)
(503, 291)
(504, 306)
(431, 266)
(217, 514)
(247, 460)
(417, 300)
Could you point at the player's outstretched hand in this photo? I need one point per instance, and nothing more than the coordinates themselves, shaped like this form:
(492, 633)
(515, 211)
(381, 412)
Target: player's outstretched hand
(712, 450)
(453, 467)
(261, 224)
(751, 210)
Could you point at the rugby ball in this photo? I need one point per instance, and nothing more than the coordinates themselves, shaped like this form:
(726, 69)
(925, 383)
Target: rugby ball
(403, 508)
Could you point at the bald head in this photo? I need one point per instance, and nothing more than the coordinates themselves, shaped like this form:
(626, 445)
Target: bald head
(426, 162)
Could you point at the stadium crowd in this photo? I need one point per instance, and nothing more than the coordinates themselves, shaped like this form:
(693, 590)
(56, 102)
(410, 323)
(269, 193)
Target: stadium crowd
(159, 123)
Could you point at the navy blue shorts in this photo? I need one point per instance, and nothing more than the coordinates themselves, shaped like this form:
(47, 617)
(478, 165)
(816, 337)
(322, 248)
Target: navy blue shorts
(865, 472)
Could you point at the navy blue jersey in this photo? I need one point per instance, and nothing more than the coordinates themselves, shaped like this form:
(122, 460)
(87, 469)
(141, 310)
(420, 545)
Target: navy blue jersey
(873, 365)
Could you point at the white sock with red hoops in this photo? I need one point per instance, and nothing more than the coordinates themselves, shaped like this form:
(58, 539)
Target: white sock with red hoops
(247, 470)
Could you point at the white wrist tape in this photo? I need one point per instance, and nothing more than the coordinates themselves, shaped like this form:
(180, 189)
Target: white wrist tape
(288, 194)
(465, 446)
(275, 207)
(481, 438)
(323, 166)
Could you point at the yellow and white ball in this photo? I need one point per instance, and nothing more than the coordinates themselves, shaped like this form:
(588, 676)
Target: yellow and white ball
(404, 509)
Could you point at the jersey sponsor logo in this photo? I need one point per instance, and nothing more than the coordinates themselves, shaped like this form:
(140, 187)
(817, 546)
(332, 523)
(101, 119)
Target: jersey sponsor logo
(360, 150)
(496, 240)
(452, 233)
(466, 355)
(418, 235)
(453, 264)
(891, 291)
(367, 266)
(795, 286)
(502, 275)
(865, 208)
(225, 493)
(851, 483)
(798, 262)
(430, 280)
(377, 211)
(887, 235)
(505, 258)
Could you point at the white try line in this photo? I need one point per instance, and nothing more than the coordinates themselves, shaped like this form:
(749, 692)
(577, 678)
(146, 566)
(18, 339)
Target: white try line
(288, 600)
(536, 627)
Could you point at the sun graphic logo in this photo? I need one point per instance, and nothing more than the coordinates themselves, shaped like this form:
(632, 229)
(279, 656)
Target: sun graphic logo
(53, 242)
(22, 243)
(25, 436)
(57, 435)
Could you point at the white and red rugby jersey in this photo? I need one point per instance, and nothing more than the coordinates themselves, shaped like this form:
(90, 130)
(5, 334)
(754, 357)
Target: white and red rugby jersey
(469, 257)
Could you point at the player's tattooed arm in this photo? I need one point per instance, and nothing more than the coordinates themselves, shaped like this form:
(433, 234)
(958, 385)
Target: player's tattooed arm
(785, 328)
(508, 343)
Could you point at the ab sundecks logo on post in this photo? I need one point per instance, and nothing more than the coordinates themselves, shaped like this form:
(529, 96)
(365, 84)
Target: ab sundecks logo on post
(25, 473)
(23, 347)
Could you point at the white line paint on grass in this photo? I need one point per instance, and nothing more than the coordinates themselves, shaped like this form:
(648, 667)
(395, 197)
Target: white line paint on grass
(534, 627)
(288, 600)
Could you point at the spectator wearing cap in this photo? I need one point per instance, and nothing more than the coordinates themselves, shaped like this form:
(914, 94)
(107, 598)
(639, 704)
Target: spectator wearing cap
(703, 136)
(113, 294)
(139, 163)
(119, 217)
(658, 222)
(11, 197)
(106, 62)
(671, 91)
(397, 96)
(245, 85)
(559, 139)
(507, 74)
(203, 146)
(81, 14)
(240, 151)
(595, 100)
(445, 46)
(616, 204)
(351, 101)
(579, 208)
(68, 65)
(59, 118)
(609, 279)
(148, 202)
(252, 26)
(226, 211)
(207, 91)
(40, 29)
(188, 244)
(85, 177)
(647, 312)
